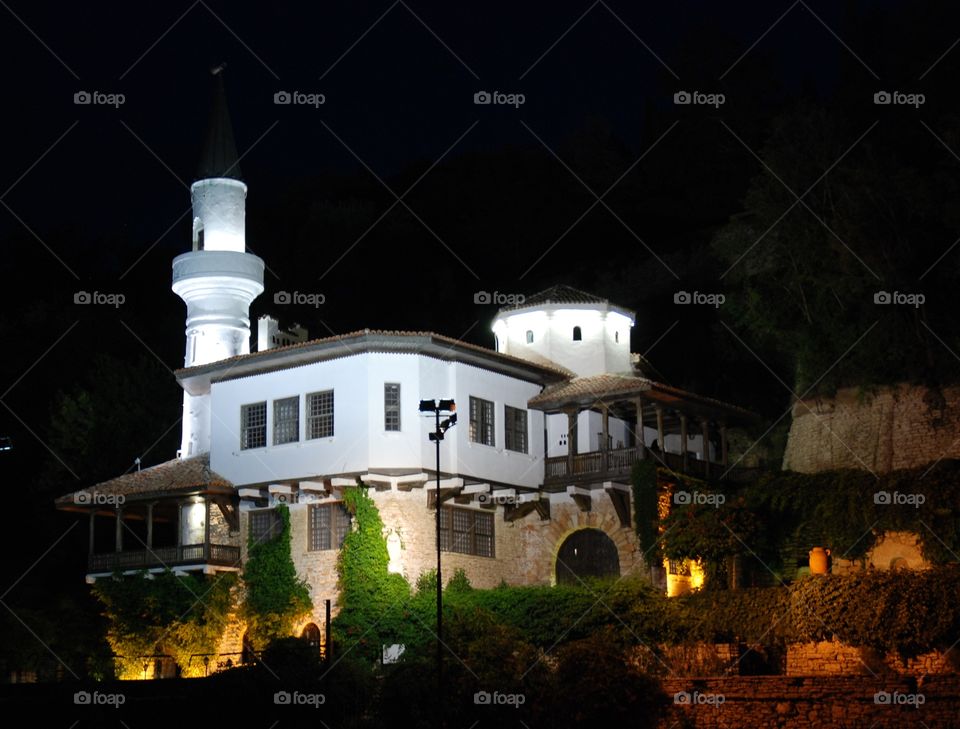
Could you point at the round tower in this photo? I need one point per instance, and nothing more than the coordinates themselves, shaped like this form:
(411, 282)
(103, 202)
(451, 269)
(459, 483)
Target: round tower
(218, 279)
(584, 333)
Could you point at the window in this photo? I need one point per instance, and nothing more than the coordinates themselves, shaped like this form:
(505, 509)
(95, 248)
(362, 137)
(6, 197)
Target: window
(320, 415)
(264, 525)
(391, 406)
(466, 531)
(481, 421)
(253, 425)
(577, 334)
(286, 420)
(616, 337)
(529, 337)
(329, 526)
(515, 429)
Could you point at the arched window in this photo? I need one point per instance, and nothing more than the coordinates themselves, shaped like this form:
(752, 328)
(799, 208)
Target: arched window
(616, 337)
(529, 336)
(577, 334)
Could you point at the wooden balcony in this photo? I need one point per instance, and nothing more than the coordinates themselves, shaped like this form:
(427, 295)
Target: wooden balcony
(597, 466)
(221, 555)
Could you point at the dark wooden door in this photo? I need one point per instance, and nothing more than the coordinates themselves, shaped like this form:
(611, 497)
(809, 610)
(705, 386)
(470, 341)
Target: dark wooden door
(587, 553)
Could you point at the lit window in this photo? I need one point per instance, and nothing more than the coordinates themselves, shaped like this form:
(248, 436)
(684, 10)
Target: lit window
(264, 525)
(515, 429)
(286, 420)
(329, 526)
(577, 334)
(529, 336)
(481, 421)
(466, 531)
(253, 425)
(320, 415)
(391, 406)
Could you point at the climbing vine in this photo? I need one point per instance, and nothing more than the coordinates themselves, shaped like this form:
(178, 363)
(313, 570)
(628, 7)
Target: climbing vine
(374, 607)
(276, 597)
(179, 616)
(645, 508)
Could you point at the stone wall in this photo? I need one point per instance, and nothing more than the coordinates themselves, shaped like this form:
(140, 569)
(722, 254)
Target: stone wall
(904, 426)
(831, 658)
(812, 702)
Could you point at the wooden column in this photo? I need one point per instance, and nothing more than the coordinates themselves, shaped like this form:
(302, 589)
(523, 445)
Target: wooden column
(206, 527)
(571, 439)
(119, 531)
(93, 516)
(605, 428)
(705, 447)
(150, 525)
(723, 443)
(659, 411)
(641, 447)
(683, 440)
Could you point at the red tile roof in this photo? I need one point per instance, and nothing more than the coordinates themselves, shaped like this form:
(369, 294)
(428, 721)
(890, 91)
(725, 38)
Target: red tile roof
(180, 474)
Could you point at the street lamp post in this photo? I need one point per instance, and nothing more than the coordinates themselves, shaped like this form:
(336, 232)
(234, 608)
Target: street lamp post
(437, 407)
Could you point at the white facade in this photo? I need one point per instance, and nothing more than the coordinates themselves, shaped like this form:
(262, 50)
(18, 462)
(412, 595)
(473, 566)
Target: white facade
(549, 332)
(360, 443)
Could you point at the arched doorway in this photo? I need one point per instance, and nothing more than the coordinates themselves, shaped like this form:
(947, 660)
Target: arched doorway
(311, 634)
(587, 553)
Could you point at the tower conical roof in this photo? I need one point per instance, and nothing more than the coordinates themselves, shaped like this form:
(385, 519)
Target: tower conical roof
(219, 157)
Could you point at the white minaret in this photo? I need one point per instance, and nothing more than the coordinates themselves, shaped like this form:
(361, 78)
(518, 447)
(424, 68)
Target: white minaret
(218, 279)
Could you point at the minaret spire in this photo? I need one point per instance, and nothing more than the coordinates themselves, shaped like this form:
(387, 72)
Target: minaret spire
(219, 157)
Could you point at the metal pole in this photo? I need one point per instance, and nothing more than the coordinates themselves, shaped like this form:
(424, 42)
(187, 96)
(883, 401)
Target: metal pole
(439, 585)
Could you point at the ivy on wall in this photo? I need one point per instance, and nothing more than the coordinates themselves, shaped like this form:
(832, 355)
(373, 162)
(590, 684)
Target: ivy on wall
(275, 597)
(180, 616)
(373, 602)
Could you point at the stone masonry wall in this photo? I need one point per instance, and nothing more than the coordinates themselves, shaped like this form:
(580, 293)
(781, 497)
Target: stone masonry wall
(831, 658)
(898, 427)
(812, 702)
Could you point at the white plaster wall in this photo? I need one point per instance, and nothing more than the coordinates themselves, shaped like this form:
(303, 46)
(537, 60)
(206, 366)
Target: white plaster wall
(360, 442)
(220, 204)
(596, 353)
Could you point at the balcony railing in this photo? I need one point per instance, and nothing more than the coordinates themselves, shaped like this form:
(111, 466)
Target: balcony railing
(223, 555)
(619, 462)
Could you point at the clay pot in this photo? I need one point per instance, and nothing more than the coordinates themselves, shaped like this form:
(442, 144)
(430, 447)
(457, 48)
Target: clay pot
(819, 561)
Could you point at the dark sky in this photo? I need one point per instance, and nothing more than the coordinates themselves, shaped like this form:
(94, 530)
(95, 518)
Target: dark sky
(96, 197)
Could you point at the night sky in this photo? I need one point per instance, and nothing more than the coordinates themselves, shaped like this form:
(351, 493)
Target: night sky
(95, 197)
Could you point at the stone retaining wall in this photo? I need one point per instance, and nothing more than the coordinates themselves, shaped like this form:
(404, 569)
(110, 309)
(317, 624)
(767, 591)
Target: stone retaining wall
(812, 702)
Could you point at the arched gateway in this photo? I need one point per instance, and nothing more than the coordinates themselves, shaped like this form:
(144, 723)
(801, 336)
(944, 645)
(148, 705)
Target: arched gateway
(587, 553)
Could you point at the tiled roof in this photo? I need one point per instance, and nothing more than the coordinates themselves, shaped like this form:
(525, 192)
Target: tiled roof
(561, 294)
(550, 367)
(598, 388)
(180, 474)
